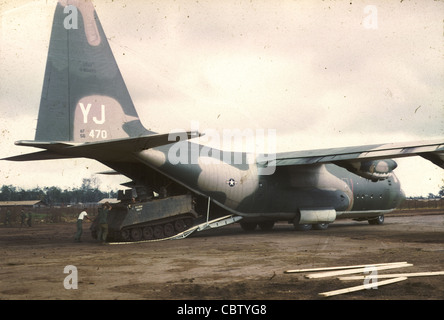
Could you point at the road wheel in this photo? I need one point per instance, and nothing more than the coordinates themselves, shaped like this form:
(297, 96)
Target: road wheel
(168, 230)
(148, 233)
(136, 234)
(179, 225)
(158, 232)
(188, 222)
(125, 234)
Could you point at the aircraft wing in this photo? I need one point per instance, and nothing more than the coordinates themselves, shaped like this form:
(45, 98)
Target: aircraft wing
(430, 150)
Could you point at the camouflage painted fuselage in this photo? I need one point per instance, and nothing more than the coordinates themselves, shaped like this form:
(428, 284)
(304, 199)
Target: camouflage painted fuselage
(241, 188)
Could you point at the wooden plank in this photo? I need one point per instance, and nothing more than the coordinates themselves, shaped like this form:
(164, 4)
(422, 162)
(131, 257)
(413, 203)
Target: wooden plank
(358, 270)
(395, 275)
(340, 267)
(361, 287)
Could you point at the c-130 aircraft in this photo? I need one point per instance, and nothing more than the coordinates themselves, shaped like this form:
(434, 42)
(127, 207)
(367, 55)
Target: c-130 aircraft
(86, 111)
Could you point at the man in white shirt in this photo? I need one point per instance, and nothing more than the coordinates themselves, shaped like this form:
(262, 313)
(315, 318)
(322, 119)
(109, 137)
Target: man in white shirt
(82, 215)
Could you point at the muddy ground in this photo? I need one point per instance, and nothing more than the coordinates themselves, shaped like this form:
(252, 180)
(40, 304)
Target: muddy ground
(221, 264)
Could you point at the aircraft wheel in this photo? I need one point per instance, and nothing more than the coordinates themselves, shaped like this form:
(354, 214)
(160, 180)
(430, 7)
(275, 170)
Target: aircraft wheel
(136, 234)
(248, 226)
(158, 232)
(320, 226)
(148, 233)
(377, 221)
(266, 225)
(303, 227)
(168, 230)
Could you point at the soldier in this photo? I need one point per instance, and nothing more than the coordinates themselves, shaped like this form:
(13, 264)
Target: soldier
(8, 218)
(22, 217)
(83, 215)
(103, 222)
(29, 221)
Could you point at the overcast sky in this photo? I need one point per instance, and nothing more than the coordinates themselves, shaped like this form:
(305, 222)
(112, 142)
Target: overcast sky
(322, 73)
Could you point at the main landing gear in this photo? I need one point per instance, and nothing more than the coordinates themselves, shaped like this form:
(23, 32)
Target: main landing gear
(268, 225)
(306, 227)
(377, 221)
(251, 226)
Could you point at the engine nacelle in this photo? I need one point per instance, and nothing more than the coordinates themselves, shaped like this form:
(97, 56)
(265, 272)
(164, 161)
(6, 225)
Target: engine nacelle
(374, 169)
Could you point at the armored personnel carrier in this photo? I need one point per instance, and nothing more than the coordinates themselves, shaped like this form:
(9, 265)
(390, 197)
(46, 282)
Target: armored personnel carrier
(156, 218)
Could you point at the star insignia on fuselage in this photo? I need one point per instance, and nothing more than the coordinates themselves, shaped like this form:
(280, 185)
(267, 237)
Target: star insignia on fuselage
(231, 182)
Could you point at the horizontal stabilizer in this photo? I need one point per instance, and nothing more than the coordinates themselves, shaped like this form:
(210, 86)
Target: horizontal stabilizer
(110, 173)
(110, 150)
(41, 155)
(42, 144)
(133, 144)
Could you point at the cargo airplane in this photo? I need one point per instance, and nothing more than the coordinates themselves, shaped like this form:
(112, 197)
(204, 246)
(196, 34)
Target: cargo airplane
(86, 111)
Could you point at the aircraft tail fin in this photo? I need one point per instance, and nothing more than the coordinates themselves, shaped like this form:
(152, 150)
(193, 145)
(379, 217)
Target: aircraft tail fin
(84, 97)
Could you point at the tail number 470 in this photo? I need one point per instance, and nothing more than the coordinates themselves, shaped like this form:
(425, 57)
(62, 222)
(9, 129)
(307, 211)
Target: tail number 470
(98, 134)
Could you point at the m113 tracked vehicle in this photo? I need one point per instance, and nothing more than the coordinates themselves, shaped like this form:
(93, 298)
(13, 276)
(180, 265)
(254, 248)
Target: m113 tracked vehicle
(150, 219)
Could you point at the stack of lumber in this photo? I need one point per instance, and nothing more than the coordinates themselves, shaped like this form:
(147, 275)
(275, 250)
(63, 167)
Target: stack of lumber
(370, 277)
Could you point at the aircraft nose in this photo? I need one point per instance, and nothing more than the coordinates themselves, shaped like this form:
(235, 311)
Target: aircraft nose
(401, 197)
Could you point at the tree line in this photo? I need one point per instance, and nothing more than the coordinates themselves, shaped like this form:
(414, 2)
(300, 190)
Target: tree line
(86, 193)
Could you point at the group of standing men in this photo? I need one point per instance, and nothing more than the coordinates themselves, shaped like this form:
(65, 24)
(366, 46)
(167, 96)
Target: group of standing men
(25, 219)
(102, 221)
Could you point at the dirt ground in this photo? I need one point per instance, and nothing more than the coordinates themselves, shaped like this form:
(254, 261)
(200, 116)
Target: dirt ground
(226, 263)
